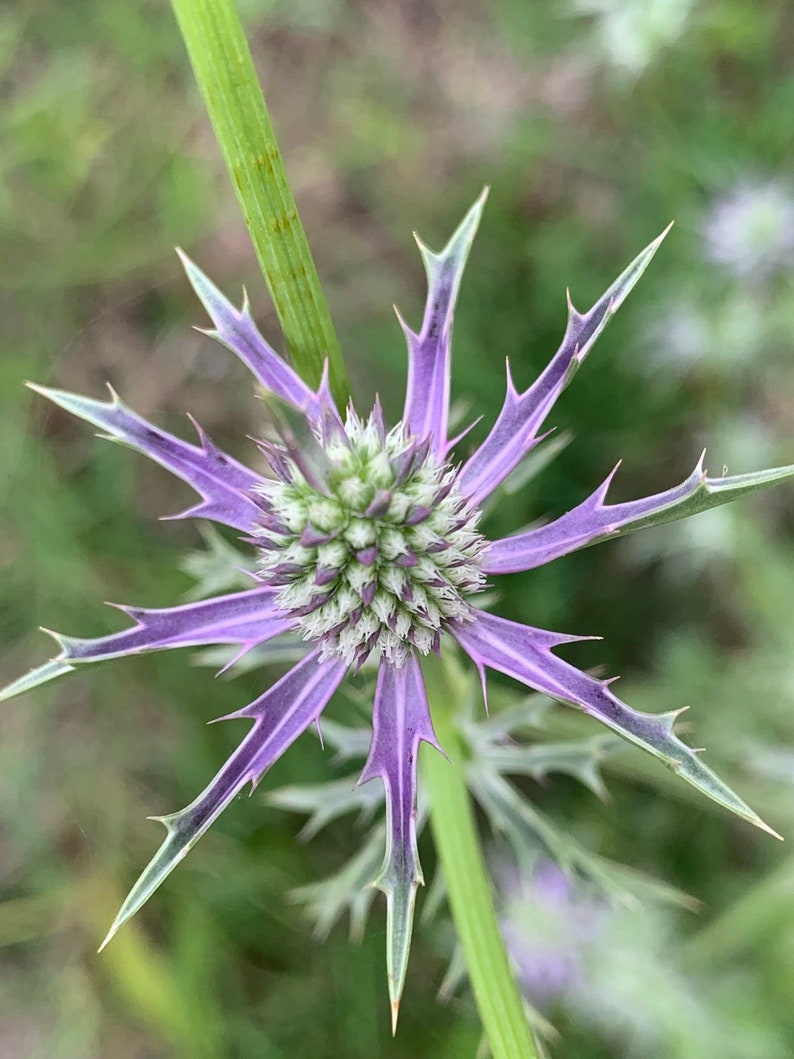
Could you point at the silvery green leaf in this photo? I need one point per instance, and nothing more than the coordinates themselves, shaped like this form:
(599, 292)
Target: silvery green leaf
(348, 890)
(324, 802)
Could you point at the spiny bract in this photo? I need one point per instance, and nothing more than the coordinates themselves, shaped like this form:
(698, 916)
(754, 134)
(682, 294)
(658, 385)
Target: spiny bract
(368, 544)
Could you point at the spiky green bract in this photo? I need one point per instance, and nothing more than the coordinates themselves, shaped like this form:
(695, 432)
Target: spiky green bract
(348, 889)
(325, 802)
(514, 740)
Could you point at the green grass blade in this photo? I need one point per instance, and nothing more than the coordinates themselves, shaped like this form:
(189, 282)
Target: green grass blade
(468, 886)
(226, 76)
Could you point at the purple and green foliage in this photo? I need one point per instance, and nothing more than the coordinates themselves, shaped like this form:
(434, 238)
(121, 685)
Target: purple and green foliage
(367, 544)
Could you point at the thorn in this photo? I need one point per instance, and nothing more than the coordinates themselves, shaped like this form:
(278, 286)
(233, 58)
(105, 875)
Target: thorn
(566, 638)
(110, 934)
(600, 494)
(547, 434)
(125, 608)
(58, 637)
(400, 319)
(483, 684)
(198, 428)
(511, 387)
(447, 758)
(770, 831)
(225, 668)
(395, 1012)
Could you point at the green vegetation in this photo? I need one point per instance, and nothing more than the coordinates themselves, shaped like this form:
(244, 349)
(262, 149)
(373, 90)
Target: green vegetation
(595, 124)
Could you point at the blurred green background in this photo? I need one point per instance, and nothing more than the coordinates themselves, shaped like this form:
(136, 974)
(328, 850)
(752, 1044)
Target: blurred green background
(595, 122)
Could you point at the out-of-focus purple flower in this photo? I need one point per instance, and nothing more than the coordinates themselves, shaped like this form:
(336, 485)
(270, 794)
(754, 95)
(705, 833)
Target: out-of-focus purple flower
(367, 543)
(619, 972)
(547, 925)
(750, 230)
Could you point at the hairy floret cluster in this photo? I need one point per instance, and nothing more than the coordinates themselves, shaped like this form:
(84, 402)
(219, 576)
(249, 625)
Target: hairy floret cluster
(376, 552)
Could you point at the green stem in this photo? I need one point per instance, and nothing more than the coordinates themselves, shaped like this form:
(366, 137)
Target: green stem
(468, 886)
(227, 79)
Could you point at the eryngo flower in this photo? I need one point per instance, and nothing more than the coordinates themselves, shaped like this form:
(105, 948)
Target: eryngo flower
(367, 542)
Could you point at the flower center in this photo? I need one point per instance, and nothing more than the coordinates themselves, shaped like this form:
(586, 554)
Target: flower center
(372, 545)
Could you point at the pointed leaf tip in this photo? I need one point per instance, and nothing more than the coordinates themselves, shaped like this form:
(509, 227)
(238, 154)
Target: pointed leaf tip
(401, 720)
(769, 830)
(109, 936)
(42, 674)
(593, 520)
(515, 432)
(426, 410)
(401, 899)
(281, 715)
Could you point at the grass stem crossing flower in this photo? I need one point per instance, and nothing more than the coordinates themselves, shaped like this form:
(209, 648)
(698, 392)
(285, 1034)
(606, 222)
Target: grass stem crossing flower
(367, 544)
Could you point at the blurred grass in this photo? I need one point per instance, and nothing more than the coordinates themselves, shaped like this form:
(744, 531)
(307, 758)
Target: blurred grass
(593, 130)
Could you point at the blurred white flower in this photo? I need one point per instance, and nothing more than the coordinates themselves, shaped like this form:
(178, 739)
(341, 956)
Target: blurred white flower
(750, 230)
(630, 33)
(724, 339)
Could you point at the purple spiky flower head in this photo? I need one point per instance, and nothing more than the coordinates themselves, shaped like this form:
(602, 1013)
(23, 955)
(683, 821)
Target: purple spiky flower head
(367, 544)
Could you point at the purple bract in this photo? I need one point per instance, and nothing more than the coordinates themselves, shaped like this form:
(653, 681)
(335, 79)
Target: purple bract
(368, 544)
